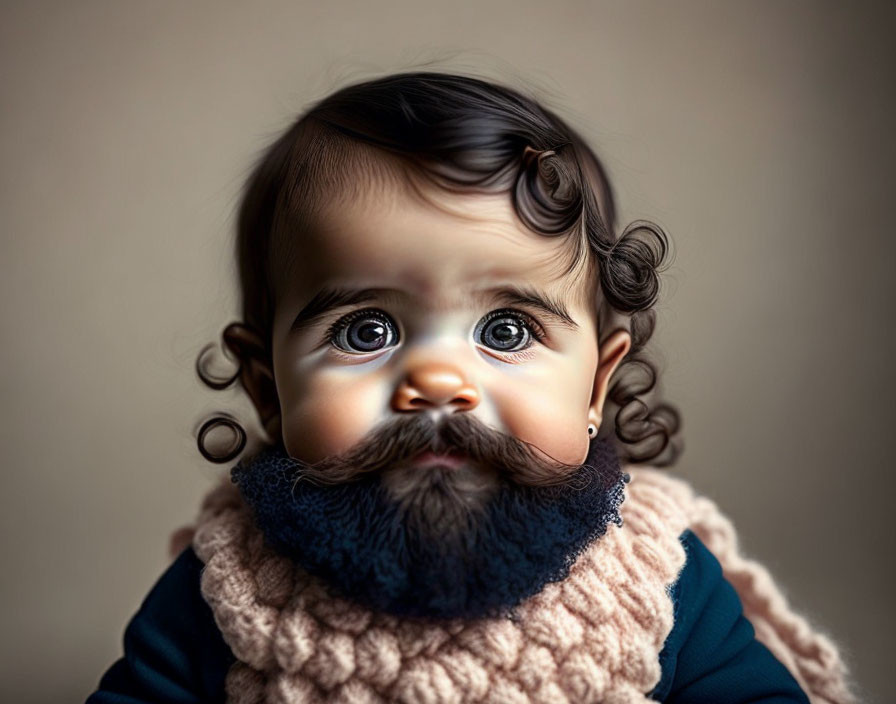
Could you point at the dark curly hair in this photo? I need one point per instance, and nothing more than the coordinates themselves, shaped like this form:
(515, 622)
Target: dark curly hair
(468, 135)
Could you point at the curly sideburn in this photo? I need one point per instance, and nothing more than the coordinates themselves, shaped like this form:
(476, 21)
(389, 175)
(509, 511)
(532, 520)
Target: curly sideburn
(463, 134)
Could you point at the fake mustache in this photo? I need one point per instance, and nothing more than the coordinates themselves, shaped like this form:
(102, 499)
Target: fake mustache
(399, 440)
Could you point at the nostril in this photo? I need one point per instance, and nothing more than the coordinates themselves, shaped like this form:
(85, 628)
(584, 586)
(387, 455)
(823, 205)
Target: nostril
(466, 398)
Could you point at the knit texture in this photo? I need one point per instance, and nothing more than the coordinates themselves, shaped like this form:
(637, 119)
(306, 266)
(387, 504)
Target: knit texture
(594, 637)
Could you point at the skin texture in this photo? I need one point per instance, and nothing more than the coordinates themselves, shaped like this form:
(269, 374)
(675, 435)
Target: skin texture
(435, 249)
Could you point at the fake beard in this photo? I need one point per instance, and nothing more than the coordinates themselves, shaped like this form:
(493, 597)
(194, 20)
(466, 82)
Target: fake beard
(371, 549)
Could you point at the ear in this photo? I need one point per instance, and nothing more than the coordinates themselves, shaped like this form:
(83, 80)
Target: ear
(256, 374)
(610, 354)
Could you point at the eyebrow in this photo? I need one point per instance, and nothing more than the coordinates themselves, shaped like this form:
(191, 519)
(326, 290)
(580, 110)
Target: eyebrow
(515, 295)
(330, 298)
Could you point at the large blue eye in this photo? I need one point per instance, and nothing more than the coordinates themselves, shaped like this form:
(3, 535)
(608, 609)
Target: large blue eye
(504, 331)
(364, 331)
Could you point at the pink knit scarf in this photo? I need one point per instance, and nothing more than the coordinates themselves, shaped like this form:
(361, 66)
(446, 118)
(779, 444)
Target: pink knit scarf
(595, 637)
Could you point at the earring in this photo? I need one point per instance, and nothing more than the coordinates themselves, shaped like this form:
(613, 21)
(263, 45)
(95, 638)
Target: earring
(592, 430)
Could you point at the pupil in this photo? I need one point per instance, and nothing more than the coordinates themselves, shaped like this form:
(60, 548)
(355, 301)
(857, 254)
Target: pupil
(368, 334)
(504, 334)
(505, 331)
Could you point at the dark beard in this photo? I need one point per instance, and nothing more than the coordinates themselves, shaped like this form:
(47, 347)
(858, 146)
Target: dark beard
(435, 543)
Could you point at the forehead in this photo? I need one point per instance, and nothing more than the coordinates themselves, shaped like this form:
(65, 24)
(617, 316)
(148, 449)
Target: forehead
(427, 242)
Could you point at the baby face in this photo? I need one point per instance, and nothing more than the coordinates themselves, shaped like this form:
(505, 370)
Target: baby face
(416, 300)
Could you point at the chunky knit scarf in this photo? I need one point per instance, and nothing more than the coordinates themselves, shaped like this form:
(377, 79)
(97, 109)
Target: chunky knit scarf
(594, 637)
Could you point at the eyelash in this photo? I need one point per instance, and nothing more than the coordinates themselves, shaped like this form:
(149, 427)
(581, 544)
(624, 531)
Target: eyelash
(535, 328)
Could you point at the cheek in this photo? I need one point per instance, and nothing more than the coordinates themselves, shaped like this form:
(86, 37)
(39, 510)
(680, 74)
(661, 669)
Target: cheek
(327, 414)
(549, 410)
(557, 431)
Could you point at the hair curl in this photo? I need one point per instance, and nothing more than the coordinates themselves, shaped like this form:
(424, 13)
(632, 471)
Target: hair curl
(465, 135)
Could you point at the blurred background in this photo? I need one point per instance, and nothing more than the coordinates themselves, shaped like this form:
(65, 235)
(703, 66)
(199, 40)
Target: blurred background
(759, 135)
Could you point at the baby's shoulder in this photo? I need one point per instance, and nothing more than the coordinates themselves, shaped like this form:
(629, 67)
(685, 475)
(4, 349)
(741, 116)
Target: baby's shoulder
(712, 647)
(173, 649)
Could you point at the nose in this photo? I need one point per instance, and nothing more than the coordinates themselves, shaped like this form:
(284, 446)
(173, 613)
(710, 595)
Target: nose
(435, 384)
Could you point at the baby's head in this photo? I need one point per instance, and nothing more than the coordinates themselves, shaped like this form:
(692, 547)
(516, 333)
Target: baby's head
(435, 310)
(427, 244)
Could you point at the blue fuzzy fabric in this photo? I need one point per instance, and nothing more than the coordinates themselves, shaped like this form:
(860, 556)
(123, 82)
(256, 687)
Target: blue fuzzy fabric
(355, 538)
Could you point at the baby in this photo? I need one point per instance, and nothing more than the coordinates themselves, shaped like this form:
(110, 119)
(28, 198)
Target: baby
(438, 313)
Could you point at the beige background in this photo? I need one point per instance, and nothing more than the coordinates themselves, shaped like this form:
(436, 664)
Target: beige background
(757, 133)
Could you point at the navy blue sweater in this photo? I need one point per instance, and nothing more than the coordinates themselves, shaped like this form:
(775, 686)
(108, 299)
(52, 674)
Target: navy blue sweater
(174, 652)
